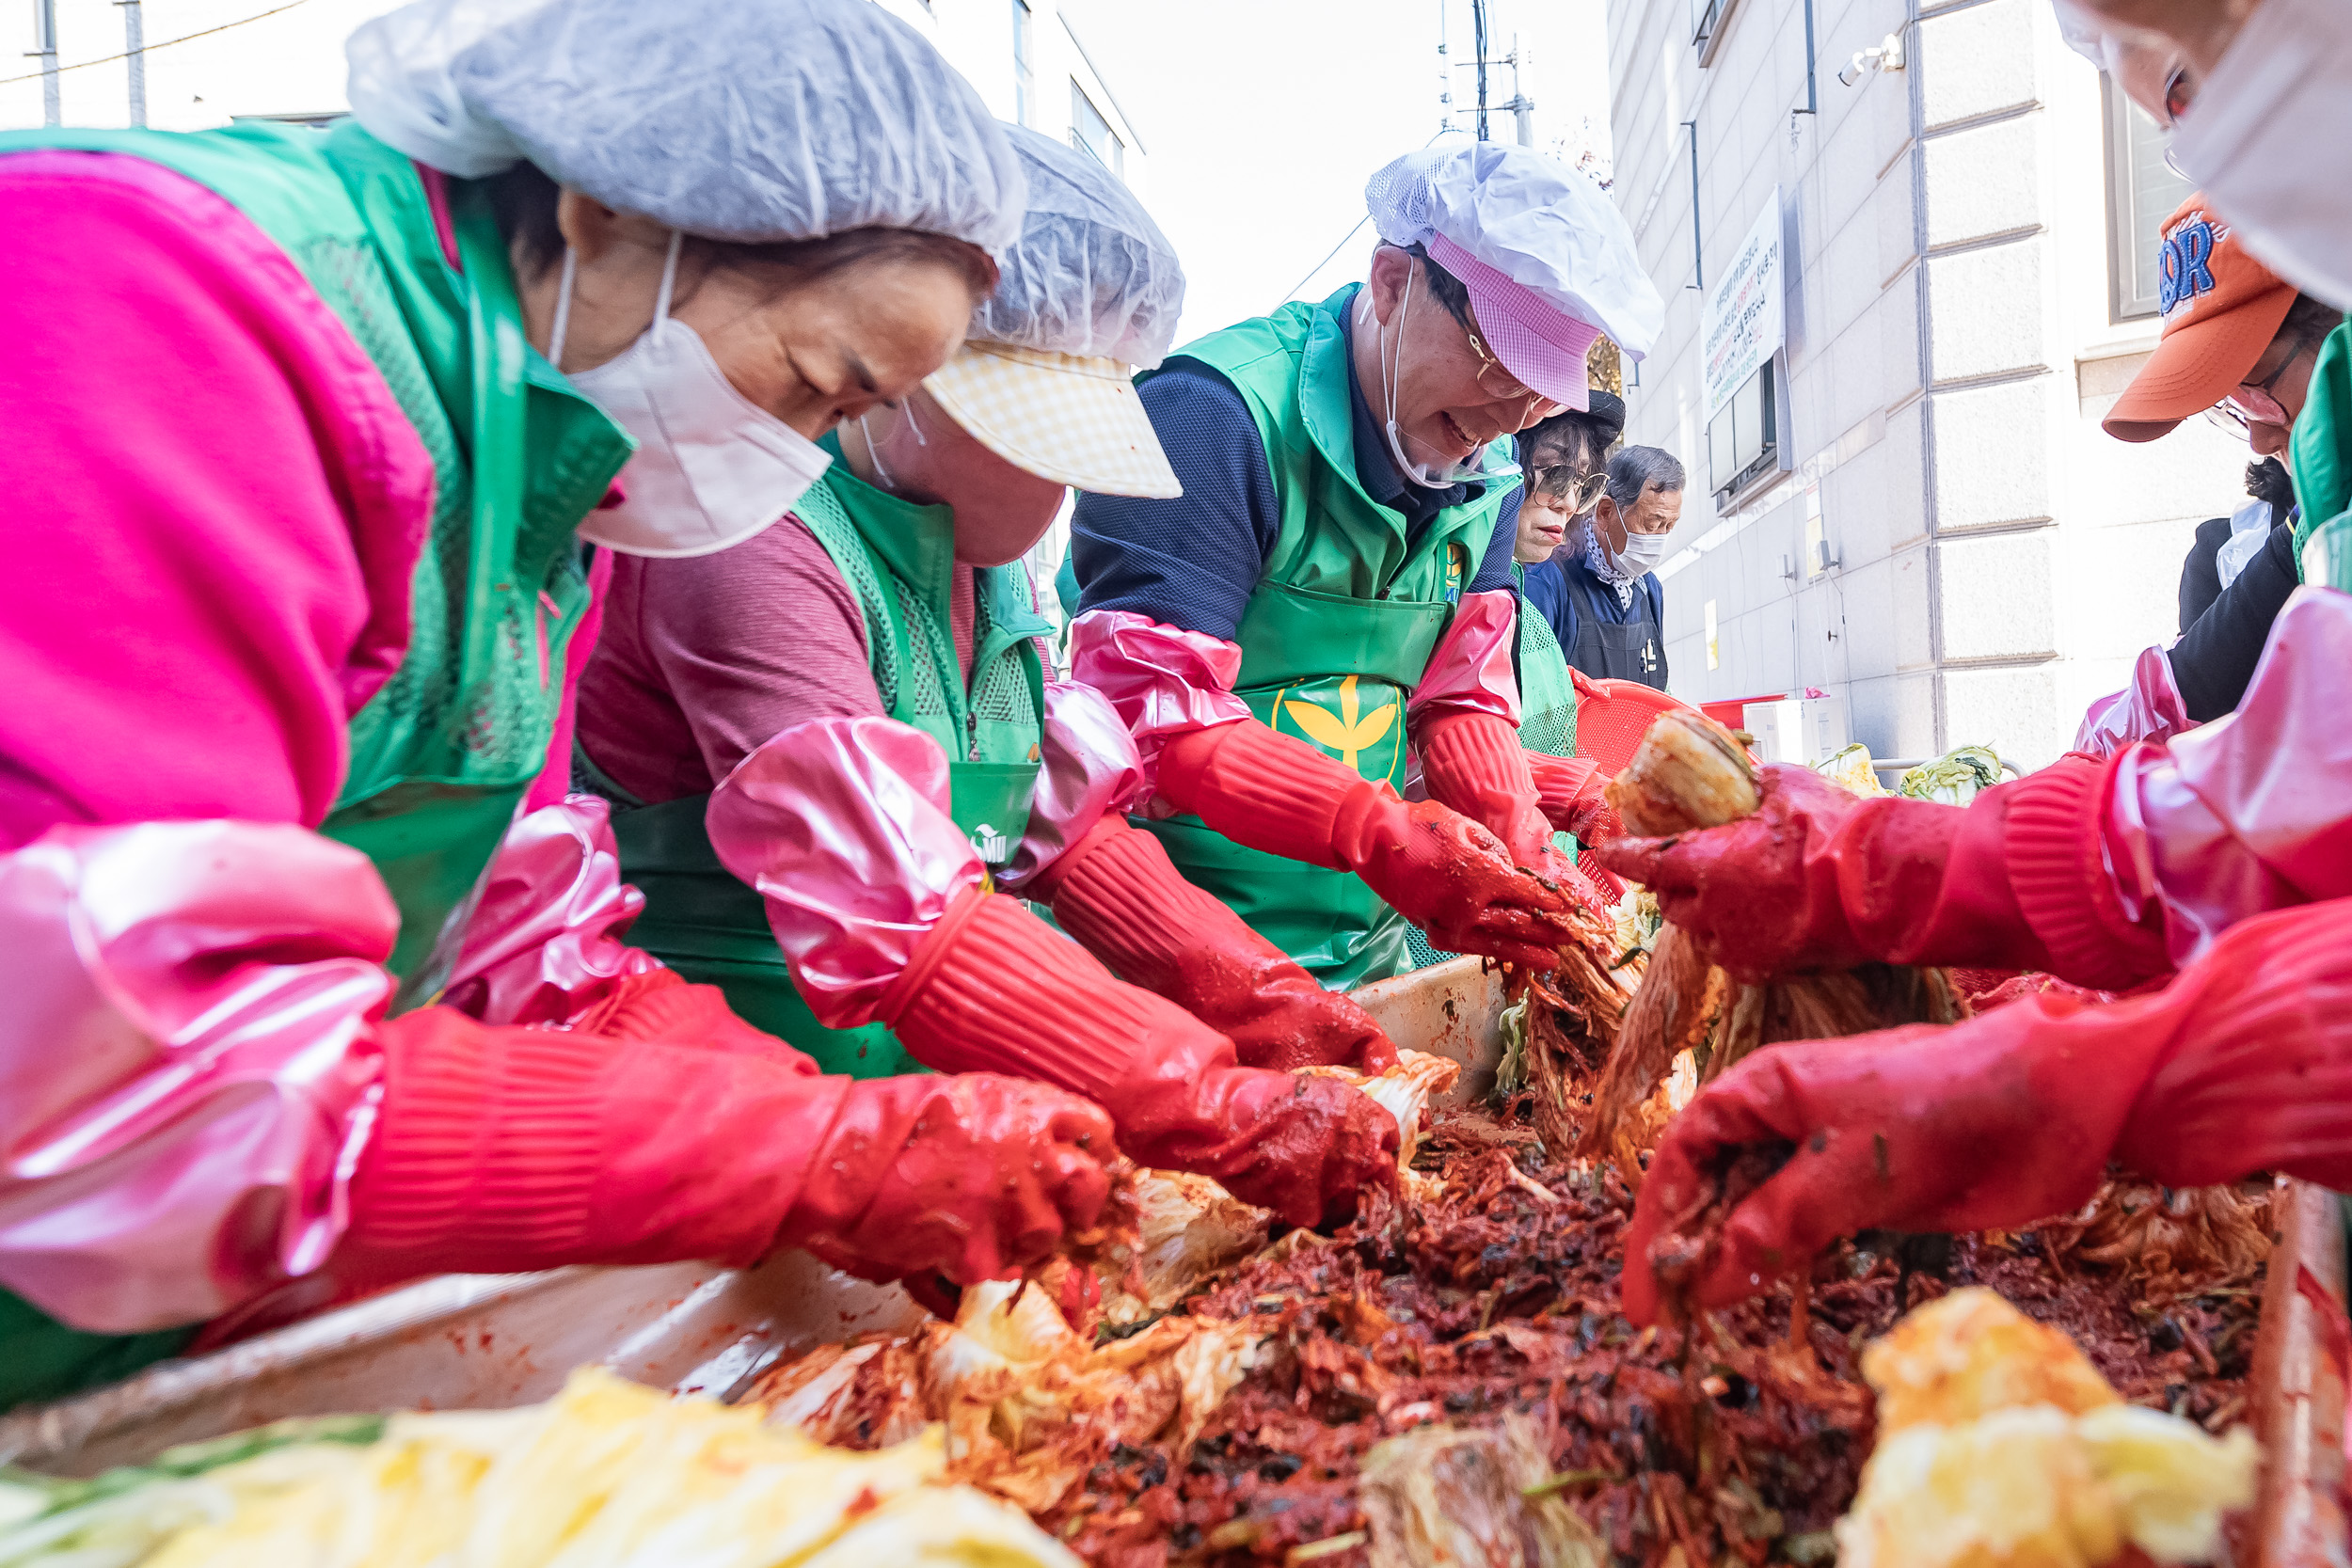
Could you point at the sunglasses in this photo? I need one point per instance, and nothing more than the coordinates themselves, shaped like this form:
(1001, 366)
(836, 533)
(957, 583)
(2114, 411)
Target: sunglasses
(1567, 489)
(2254, 403)
(1495, 380)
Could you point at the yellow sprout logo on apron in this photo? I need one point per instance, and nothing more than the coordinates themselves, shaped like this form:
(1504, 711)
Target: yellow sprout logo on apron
(1347, 733)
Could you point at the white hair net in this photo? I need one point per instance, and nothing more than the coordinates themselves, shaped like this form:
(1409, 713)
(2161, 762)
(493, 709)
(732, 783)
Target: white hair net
(1539, 222)
(1092, 274)
(734, 119)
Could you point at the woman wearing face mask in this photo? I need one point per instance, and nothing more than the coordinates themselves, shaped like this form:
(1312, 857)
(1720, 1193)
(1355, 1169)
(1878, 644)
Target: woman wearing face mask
(1600, 592)
(818, 803)
(1333, 584)
(288, 644)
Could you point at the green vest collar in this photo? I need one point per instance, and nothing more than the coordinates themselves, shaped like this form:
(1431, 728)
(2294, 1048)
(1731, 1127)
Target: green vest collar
(916, 542)
(1327, 404)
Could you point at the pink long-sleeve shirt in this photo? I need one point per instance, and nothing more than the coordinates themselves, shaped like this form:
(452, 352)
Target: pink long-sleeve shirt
(703, 659)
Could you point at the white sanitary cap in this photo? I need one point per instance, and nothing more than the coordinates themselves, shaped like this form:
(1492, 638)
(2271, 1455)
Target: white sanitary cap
(748, 120)
(1548, 260)
(1090, 291)
(1092, 274)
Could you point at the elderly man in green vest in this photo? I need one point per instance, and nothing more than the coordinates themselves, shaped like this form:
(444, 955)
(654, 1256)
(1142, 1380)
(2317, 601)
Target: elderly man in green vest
(1333, 589)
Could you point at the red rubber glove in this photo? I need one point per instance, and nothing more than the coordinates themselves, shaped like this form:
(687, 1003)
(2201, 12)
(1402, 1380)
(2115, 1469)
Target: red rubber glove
(993, 988)
(2244, 1063)
(1437, 868)
(1821, 879)
(1570, 791)
(1117, 892)
(1474, 763)
(971, 1177)
(662, 1127)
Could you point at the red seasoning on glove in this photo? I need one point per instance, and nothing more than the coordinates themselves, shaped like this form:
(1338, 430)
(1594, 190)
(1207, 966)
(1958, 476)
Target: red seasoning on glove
(1437, 868)
(1821, 879)
(993, 988)
(2243, 1063)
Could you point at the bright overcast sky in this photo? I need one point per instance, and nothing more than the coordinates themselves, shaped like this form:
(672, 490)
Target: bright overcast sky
(1261, 119)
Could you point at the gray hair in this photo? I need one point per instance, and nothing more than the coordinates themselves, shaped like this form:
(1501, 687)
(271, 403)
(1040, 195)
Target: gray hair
(1634, 469)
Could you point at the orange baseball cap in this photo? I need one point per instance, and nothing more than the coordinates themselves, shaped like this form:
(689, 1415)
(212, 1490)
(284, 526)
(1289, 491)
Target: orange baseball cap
(2221, 309)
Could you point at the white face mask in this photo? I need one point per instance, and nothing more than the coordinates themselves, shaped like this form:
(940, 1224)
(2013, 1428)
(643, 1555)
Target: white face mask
(1437, 477)
(1641, 555)
(711, 468)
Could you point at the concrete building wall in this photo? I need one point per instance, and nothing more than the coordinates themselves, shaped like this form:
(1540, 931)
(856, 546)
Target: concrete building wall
(1997, 559)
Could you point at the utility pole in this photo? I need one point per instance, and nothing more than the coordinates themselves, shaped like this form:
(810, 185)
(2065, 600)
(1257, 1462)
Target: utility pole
(45, 48)
(1445, 76)
(1478, 41)
(1521, 106)
(135, 56)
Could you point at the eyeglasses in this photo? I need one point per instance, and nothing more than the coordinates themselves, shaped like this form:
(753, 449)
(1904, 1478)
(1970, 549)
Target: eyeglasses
(1571, 492)
(2254, 403)
(1495, 380)
(2179, 91)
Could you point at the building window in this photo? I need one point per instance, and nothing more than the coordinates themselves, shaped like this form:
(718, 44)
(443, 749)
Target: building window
(2142, 192)
(1743, 439)
(1708, 18)
(1023, 77)
(1089, 130)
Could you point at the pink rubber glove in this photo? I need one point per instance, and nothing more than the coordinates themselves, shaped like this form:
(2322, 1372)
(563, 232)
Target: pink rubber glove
(1122, 898)
(2244, 1063)
(876, 899)
(545, 941)
(2252, 811)
(1163, 681)
(2148, 709)
(1436, 868)
(1470, 670)
(187, 1065)
(1087, 770)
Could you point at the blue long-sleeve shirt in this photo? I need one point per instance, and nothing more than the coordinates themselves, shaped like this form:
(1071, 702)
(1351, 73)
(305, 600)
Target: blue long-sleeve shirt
(1193, 561)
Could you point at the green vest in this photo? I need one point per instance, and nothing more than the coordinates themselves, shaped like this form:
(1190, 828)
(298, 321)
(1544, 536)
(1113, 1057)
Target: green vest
(899, 560)
(443, 754)
(2321, 441)
(1336, 634)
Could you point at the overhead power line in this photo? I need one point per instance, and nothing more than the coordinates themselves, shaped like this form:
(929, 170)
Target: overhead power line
(150, 49)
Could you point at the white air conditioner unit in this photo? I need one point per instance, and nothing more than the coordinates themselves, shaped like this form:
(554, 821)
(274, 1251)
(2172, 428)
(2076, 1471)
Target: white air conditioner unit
(1806, 730)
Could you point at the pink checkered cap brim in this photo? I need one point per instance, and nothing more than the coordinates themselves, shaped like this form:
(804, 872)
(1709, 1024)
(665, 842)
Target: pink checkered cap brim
(1541, 344)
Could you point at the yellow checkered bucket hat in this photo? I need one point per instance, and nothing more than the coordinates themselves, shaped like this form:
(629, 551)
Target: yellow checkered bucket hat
(1060, 416)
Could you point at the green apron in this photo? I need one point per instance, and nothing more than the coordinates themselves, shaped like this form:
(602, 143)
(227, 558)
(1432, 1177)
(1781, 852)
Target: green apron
(899, 560)
(1335, 637)
(444, 751)
(1546, 724)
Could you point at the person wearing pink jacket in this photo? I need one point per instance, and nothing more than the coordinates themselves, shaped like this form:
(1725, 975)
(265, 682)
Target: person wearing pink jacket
(305, 447)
